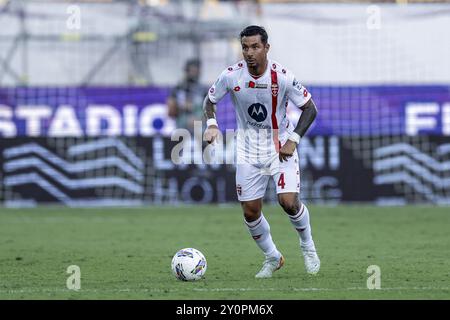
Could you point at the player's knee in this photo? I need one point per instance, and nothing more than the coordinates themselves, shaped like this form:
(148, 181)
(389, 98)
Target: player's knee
(251, 216)
(289, 206)
(251, 213)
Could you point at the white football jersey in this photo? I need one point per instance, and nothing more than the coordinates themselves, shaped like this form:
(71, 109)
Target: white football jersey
(260, 105)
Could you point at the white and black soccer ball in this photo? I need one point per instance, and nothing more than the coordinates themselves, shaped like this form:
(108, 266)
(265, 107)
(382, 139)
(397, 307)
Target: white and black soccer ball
(189, 264)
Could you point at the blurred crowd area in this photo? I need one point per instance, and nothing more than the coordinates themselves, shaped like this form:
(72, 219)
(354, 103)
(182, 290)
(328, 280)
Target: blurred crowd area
(148, 42)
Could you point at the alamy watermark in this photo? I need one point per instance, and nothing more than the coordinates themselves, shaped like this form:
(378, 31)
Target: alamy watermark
(373, 21)
(73, 21)
(74, 280)
(253, 146)
(374, 280)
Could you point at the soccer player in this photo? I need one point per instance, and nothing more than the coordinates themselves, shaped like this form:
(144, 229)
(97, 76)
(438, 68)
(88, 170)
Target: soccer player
(260, 89)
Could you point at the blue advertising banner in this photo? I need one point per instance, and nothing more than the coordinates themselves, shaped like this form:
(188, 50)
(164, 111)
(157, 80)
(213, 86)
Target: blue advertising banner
(122, 111)
(134, 171)
(78, 112)
(382, 110)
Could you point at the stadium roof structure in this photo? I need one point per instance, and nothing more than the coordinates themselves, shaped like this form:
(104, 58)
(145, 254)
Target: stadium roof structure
(148, 23)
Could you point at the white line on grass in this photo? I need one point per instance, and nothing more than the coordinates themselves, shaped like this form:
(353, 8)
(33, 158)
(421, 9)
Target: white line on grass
(157, 290)
(315, 289)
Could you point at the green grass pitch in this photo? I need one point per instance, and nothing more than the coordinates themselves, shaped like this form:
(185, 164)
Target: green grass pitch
(126, 253)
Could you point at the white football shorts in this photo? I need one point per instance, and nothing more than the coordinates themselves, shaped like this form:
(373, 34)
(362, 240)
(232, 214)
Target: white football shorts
(252, 180)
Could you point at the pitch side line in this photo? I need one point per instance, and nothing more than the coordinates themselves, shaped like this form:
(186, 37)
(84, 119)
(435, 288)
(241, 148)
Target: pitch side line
(220, 290)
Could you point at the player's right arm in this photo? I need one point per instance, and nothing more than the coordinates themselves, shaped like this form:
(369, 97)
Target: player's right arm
(215, 94)
(212, 128)
(298, 94)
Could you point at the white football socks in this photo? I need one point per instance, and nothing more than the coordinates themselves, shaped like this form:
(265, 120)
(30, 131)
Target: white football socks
(260, 231)
(300, 221)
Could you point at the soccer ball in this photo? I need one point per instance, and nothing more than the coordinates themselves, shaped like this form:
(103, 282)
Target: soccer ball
(189, 264)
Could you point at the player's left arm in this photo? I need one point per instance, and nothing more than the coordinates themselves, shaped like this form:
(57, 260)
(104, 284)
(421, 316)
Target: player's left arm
(306, 119)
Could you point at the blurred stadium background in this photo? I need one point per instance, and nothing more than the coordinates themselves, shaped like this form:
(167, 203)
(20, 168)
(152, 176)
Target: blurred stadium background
(84, 86)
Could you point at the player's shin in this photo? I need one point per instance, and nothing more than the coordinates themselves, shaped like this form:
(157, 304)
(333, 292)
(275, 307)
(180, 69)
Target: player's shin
(300, 221)
(260, 231)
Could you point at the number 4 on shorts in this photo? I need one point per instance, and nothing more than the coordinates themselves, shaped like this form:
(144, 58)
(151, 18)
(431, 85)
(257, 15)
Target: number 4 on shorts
(281, 181)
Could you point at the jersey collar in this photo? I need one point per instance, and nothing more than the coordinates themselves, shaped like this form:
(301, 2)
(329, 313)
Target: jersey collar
(262, 75)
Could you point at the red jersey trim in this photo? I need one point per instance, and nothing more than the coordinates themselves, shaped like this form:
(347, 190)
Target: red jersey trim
(274, 87)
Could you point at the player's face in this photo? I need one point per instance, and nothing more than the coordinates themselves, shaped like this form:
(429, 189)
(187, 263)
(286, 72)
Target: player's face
(254, 51)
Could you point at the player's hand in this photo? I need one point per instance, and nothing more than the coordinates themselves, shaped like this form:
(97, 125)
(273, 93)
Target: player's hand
(211, 133)
(287, 150)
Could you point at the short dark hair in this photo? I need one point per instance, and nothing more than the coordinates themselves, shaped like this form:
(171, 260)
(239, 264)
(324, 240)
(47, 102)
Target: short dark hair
(194, 62)
(253, 31)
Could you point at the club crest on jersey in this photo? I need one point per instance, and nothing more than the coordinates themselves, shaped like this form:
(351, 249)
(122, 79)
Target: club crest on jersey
(257, 112)
(274, 89)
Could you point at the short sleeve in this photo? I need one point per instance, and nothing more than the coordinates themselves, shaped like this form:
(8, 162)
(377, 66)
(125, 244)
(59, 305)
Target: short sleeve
(297, 93)
(219, 89)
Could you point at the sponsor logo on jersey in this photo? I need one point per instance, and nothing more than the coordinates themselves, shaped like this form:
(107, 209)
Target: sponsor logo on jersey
(255, 85)
(305, 93)
(274, 89)
(259, 125)
(297, 84)
(257, 112)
